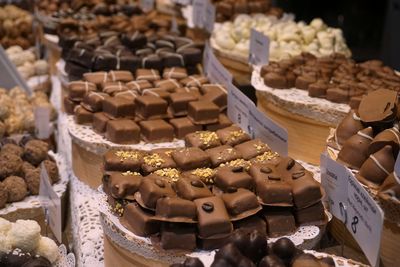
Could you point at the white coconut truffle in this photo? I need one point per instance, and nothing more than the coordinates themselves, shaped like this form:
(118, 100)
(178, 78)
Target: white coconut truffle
(24, 234)
(5, 226)
(14, 49)
(47, 248)
(5, 245)
(41, 67)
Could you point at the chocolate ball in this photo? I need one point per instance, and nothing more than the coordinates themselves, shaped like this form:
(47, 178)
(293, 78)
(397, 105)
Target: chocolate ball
(38, 262)
(271, 261)
(230, 253)
(284, 248)
(35, 151)
(52, 171)
(246, 262)
(3, 195)
(10, 165)
(32, 179)
(14, 259)
(305, 260)
(258, 246)
(241, 240)
(193, 262)
(12, 149)
(16, 188)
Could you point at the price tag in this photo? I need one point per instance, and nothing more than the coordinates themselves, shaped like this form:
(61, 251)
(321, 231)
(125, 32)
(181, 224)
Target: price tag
(199, 12)
(238, 108)
(216, 72)
(42, 122)
(209, 17)
(268, 131)
(51, 204)
(259, 48)
(147, 5)
(354, 206)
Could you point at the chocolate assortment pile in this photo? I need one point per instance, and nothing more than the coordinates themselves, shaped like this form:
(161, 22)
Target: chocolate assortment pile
(336, 78)
(152, 106)
(250, 249)
(131, 51)
(369, 139)
(15, 27)
(198, 195)
(228, 9)
(20, 168)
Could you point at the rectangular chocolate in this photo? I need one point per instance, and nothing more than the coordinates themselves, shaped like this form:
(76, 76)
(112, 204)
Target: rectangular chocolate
(252, 148)
(118, 107)
(175, 207)
(279, 222)
(157, 131)
(123, 131)
(222, 154)
(203, 112)
(157, 160)
(69, 105)
(151, 106)
(139, 222)
(183, 126)
(78, 89)
(232, 135)
(202, 139)
(311, 214)
(237, 177)
(100, 122)
(139, 85)
(82, 115)
(179, 102)
(191, 189)
(152, 190)
(240, 200)
(123, 185)
(178, 236)
(175, 73)
(120, 76)
(190, 158)
(147, 74)
(93, 101)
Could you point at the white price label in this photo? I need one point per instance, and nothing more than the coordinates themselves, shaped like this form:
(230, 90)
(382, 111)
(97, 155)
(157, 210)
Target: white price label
(209, 17)
(199, 12)
(268, 131)
(238, 108)
(216, 72)
(147, 5)
(259, 48)
(42, 122)
(354, 206)
(51, 204)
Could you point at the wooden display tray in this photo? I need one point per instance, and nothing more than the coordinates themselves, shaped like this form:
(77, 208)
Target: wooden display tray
(307, 137)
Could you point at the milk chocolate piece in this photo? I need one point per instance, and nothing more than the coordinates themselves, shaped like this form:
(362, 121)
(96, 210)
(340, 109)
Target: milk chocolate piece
(306, 191)
(279, 222)
(120, 76)
(191, 56)
(275, 80)
(175, 73)
(175, 207)
(311, 214)
(179, 102)
(123, 161)
(222, 154)
(139, 85)
(190, 158)
(250, 224)
(206, 175)
(113, 88)
(317, 89)
(183, 126)
(227, 177)
(191, 189)
(78, 89)
(123, 185)
(337, 95)
(69, 105)
(157, 92)
(202, 140)
(100, 122)
(223, 122)
(178, 236)
(238, 201)
(157, 131)
(194, 80)
(153, 189)
(168, 84)
(157, 160)
(348, 127)
(216, 94)
(82, 115)
(151, 106)
(377, 167)
(118, 107)
(129, 95)
(123, 131)
(203, 112)
(147, 74)
(97, 78)
(139, 222)
(389, 137)
(213, 217)
(355, 150)
(252, 148)
(93, 101)
(232, 135)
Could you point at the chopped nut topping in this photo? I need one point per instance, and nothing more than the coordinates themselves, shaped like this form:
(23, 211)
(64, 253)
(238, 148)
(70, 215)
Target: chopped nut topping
(130, 173)
(153, 160)
(237, 163)
(267, 156)
(171, 173)
(205, 174)
(236, 134)
(207, 137)
(127, 154)
(259, 147)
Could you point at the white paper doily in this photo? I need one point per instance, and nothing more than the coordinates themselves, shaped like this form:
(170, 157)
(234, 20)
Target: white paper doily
(65, 259)
(298, 102)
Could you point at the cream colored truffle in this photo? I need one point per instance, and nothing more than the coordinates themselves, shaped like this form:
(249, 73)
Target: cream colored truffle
(24, 234)
(5, 226)
(47, 248)
(41, 67)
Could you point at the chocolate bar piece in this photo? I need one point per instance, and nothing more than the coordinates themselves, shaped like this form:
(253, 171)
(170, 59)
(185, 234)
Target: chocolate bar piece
(190, 158)
(223, 122)
(118, 107)
(100, 120)
(237, 177)
(97, 78)
(250, 224)
(252, 148)
(139, 85)
(238, 201)
(112, 88)
(157, 160)
(306, 191)
(140, 222)
(179, 102)
(203, 112)
(216, 94)
(123, 131)
(157, 131)
(191, 56)
(153, 189)
(191, 189)
(279, 222)
(175, 207)
(78, 89)
(120, 76)
(178, 236)
(69, 105)
(232, 135)
(122, 161)
(151, 106)
(175, 73)
(157, 92)
(123, 185)
(213, 217)
(147, 74)
(183, 126)
(207, 175)
(222, 154)
(202, 139)
(82, 115)
(93, 101)
(153, 62)
(168, 84)
(129, 95)
(194, 80)
(311, 214)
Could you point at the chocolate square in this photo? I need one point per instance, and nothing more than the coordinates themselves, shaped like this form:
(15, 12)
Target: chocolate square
(153, 189)
(216, 94)
(120, 76)
(118, 107)
(233, 135)
(151, 106)
(129, 95)
(123, 131)
(157, 92)
(213, 218)
(157, 160)
(69, 105)
(139, 85)
(250, 224)
(222, 154)
(82, 115)
(147, 74)
(93, 101)
(172, 59)
(179, 102)
(157, 131)
(167, 84)
(207, 175)
(175, 73)
(239, 201)
(112, 88)
(191, 55)
(223, 122)
(175, 207)
(279, 222)
(97, 78)
(183, 126)
(202, 139)
(140, 222)
(78, 89)
(237, 177)
(203, 112)
(190, 158)
(311, 214)
(122, 161)
(100, 122)
(178, 236)
(191, 189)
(306, 191)
(252, 148)
(194, 80)
(123, 185)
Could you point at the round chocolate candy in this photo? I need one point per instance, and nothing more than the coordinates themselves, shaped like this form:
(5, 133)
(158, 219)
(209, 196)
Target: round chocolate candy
(271, 261)
(258, 246)
(284, 248)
